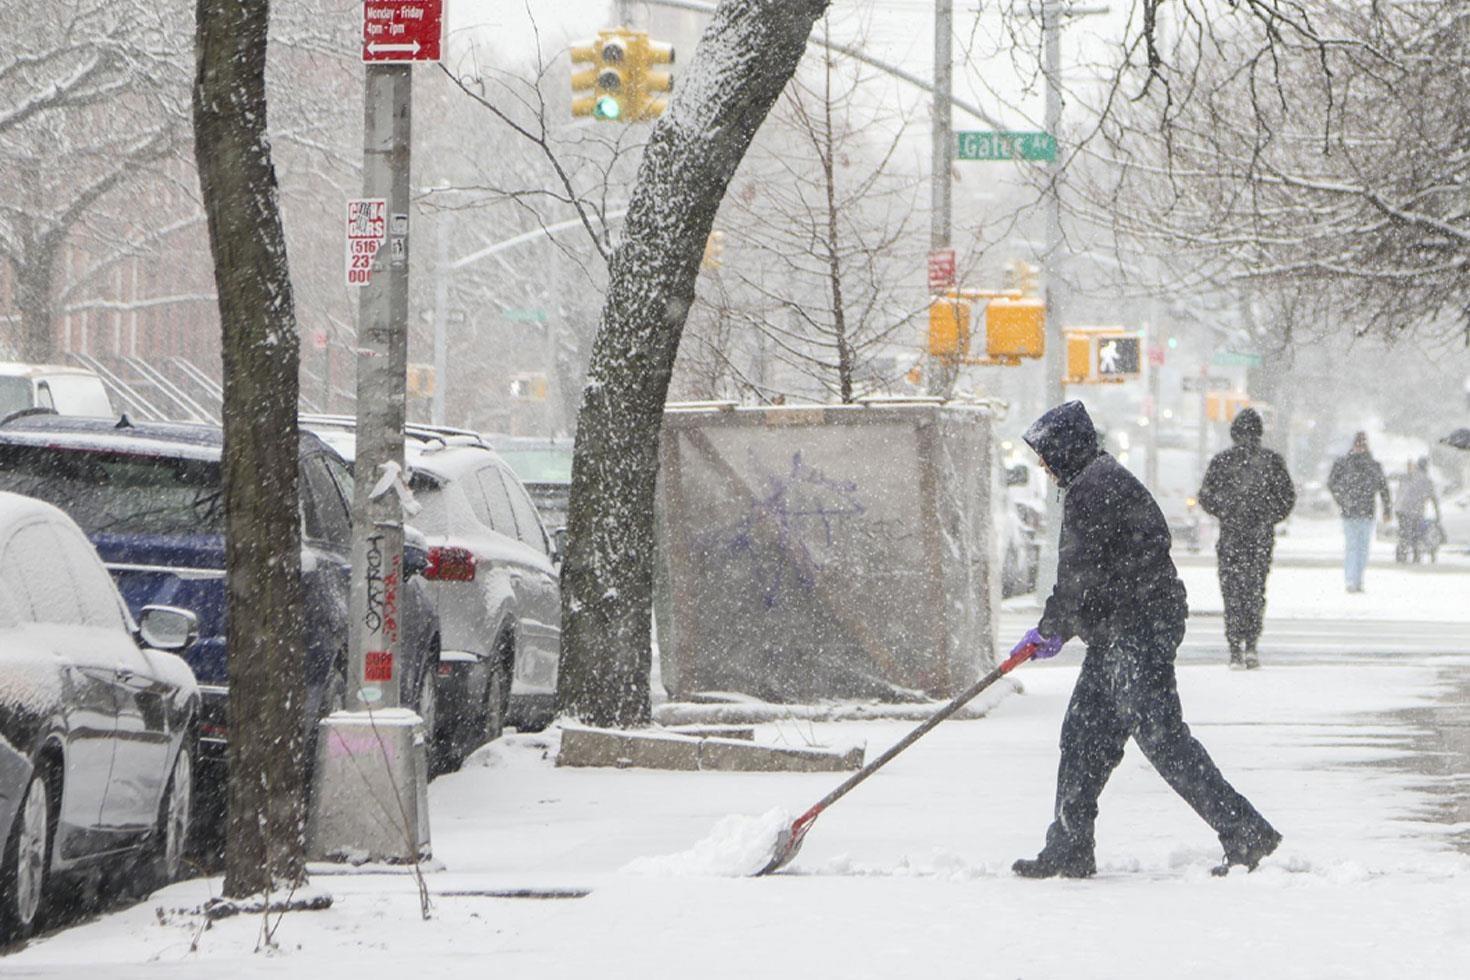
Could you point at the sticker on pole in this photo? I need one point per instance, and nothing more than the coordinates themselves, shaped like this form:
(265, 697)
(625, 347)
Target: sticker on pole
(378, 666)
(367, 227)
(402, 30)
(941, 270)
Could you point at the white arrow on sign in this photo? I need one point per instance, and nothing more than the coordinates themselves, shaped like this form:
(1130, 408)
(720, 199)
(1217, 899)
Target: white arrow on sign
(374, 47)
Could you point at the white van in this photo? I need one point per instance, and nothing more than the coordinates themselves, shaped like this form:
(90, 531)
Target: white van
(65, 390)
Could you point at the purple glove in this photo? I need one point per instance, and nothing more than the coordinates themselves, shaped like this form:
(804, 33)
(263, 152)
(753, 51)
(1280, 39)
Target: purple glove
(1043, 647)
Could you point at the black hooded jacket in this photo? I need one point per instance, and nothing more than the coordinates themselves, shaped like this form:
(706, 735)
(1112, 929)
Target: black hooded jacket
(1246, 487)
(1114, 572)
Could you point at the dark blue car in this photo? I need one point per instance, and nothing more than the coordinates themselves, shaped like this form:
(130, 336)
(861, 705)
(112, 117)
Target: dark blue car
(148, 496)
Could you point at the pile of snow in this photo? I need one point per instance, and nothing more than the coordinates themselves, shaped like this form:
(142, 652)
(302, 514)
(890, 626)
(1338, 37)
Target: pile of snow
(737, 847)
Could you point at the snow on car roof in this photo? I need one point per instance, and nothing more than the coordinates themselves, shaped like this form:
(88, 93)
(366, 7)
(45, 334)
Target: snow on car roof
(17, 369)
(176, 440)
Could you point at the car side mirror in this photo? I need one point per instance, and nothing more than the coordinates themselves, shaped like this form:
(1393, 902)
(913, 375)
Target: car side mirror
(168, 628)
(558, 545)
(1018, 475)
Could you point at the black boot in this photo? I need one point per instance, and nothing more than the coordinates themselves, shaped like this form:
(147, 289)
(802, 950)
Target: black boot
(1045, 865)
(1252, 659)
(1248, 851)
(1237, 662)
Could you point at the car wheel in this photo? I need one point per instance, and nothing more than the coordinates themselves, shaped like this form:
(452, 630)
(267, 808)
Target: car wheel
(23, 878)
(175, 817)
(497, 698)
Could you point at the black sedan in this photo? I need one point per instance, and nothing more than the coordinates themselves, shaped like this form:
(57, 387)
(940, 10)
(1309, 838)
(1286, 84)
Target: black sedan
(97, 722)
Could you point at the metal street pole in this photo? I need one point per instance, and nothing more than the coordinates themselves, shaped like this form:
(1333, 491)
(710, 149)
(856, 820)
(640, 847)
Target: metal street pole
(441, 313)
(939, 376)
(375, 601)
(1056, 349)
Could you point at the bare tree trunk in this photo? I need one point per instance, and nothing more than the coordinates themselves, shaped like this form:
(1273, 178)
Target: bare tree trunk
(34, 294)
(264, 842)
(748, 53)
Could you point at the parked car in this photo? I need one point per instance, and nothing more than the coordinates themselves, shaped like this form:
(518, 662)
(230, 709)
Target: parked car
(1024, 513)
(98, 720)
(54, 388)
(544, 467)
(148, 496)
(494, 571)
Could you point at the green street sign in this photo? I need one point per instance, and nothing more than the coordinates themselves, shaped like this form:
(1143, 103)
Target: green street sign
(525, 315)
(1230, 358)
(1005, 145)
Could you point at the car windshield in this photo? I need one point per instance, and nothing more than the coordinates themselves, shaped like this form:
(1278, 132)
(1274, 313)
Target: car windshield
(110, 493)
(540, 465)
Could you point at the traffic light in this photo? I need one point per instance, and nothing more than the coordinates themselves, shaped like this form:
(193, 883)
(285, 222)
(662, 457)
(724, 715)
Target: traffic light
(619, 84)
(600, 91)
(1119, 357)
(949, 328)
(644, 80)
(1015, 327)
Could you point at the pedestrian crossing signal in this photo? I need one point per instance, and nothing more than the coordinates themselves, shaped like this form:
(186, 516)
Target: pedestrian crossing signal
(1119, 357)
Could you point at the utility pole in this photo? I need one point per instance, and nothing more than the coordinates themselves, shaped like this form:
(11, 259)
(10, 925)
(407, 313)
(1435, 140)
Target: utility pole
(382, 367)
(1056, 343)
(1053, 363)
(939, 375)
(372, 767)
(441, 314)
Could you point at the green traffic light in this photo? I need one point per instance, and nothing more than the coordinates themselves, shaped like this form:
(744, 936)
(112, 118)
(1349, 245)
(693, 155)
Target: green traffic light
(607, 107)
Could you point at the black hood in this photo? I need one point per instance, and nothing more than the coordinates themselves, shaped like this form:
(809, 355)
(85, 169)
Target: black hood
(1247, 428)
(1065, 439)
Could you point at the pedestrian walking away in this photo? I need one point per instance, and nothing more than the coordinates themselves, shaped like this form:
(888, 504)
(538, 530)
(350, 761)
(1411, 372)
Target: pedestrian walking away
(1415, 494)
(1247, 489)
(1356, 481)
(1118, 590)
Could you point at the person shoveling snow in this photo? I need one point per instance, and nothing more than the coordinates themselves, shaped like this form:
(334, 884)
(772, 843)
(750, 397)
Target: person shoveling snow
(1117, 588)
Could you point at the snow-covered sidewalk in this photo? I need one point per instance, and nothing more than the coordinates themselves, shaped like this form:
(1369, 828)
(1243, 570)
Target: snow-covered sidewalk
(909, 876)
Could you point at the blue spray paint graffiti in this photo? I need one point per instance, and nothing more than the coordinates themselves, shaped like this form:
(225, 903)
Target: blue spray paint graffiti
(792, 509)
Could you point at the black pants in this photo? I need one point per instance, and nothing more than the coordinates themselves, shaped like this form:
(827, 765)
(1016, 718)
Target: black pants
(1245, 560)
(1128, 689)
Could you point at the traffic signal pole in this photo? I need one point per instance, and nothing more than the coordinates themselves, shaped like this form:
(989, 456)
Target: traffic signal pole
(1056, 343)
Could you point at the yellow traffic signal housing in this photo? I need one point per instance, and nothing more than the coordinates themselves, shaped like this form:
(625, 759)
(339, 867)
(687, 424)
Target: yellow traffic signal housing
(644, 80)
(619, 85)
(607, 78)
(1015, 328)
(1223, 406)
(949, 328)
(1079, 358)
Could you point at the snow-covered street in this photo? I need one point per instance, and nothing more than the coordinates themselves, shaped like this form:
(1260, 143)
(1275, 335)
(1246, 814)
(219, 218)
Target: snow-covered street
(910, 875)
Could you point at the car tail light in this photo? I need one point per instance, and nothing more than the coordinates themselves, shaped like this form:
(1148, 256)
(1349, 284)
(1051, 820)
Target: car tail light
(450, 565)
(213, 730)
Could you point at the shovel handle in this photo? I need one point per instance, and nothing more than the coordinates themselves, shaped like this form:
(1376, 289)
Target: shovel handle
(1015, 660)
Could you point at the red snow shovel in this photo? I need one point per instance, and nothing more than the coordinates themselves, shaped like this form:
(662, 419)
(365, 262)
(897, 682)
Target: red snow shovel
(788, 843)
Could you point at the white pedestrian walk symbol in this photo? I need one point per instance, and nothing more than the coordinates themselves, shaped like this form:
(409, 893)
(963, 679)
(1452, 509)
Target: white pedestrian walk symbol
(1107, 358)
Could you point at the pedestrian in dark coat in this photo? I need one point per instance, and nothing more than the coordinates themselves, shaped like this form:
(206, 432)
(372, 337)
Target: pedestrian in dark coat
(1118, 590)
(1356, 481)
(1248, 490)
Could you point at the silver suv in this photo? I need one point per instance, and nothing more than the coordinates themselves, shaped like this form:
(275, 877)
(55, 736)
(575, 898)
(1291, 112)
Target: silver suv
(493, 570)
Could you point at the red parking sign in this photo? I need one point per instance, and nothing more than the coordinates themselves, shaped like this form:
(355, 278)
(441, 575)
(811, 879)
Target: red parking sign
(402, 30)
(941, 270)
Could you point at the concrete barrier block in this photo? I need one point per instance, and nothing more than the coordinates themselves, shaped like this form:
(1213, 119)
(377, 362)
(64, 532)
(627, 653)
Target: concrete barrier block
(602, 748)
(730, 755)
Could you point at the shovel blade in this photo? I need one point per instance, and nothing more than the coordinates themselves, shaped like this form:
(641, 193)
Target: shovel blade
(788, 844)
